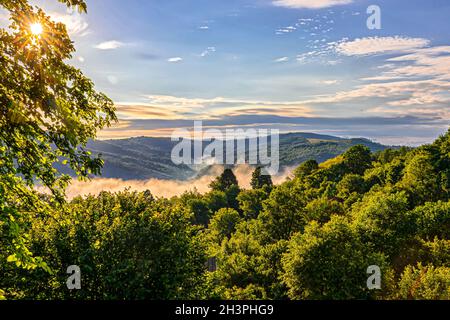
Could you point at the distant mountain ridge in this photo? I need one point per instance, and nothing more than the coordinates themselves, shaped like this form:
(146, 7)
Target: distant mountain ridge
(143, 158)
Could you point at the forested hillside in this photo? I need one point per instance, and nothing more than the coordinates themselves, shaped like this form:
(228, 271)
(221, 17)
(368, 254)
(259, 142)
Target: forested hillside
(145, 157)
(312, 237)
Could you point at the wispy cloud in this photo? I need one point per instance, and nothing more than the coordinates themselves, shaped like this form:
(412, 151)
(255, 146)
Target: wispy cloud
(325, 52)
(208, 51)
(409, 82)
(146, 111)
(109, 45)
(286, 30)
(414, 82)
(434, 61)
(175, 59)
(377, 45)
(76, 23)
(328, 82)
(282, 59)
(310, 4)
(170, 107)
(320, 56)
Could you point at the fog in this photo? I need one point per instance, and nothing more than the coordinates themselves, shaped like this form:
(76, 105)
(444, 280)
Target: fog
(165, 188)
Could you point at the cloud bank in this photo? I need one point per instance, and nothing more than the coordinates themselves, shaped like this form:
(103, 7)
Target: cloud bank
(375, 45)
(164, 188)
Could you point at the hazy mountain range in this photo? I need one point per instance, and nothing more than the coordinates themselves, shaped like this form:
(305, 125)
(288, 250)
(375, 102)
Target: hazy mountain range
(145, 157)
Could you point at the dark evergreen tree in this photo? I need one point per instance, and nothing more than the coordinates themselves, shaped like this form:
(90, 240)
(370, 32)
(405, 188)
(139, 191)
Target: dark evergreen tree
(225, 181)
(259, 180)
(228, 184)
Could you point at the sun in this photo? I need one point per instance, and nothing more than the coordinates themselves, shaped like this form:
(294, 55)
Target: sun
(36, 29)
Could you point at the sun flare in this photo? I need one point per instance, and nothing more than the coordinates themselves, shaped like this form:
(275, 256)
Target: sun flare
(36, 29)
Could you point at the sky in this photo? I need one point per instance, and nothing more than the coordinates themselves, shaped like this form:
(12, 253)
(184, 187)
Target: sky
(293, 65)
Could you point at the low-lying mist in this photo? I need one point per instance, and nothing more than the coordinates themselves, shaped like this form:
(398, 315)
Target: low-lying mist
(165, 188)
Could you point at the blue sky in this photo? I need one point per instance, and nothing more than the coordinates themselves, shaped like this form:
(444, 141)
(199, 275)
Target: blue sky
(296, 65)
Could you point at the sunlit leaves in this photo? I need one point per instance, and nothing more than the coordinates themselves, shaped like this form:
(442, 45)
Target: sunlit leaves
(48, 112)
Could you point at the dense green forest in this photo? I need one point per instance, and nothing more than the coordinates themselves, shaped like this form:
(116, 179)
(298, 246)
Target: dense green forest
(312, 237)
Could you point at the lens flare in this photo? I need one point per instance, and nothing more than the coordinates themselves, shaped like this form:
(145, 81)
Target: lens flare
(36, 29)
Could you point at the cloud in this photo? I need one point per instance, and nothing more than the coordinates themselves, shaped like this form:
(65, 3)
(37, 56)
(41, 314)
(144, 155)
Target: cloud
(415, 82)
(426, 62)
(378, 45)
(412, 81)
(76, 23)
(310, 4)
(282, 59)
(164, 188)
(391, 128)
(170, 107)
(286, 30)
(145, 111)
(430, 93)
(219, 106)
(407, 83)
(203, 27)
(319, 56)
(329, 82)
(175, 59)
(208, 51)
(109, 45)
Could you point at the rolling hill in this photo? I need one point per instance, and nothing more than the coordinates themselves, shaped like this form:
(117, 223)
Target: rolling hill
(145, 157)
